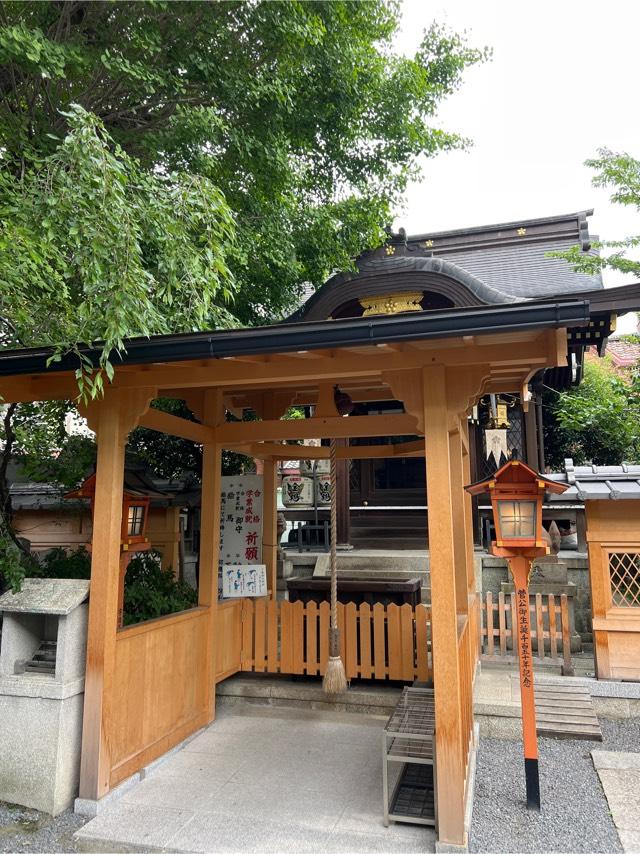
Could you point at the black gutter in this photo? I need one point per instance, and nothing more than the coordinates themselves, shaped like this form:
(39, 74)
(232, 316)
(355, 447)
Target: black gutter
(316, 335)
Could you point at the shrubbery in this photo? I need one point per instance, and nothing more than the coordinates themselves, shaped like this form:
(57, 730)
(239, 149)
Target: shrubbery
(149, 590)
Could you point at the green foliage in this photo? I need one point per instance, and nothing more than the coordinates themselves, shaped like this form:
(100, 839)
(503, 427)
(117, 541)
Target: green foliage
(15, 564)
(60, 563)
(620, 171)
(596, 422)
(299, 114)
(150, 591)
(92, 247)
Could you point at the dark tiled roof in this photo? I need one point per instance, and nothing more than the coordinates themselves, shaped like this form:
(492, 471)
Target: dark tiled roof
(513, 256)
(509, 258)
(598, 483)
(524, 270)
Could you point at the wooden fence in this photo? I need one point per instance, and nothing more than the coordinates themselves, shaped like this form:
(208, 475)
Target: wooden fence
(377, 642)
(550, 634)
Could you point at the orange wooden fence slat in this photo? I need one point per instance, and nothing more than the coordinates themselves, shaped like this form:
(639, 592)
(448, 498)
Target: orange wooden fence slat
(502, 624)
(364, 616)
(312, 639)
(540, 625)
(380, 667)
(394, 649)
(514, 624)
(422, 648)
(273, 613)
(297, 637)
(247, 634)
(341, 629)
(489, 612)
(259, 663)
(407, 640)
(566, 634)
(351, 640)
(286, 637)
(553, 637)
(325, 611)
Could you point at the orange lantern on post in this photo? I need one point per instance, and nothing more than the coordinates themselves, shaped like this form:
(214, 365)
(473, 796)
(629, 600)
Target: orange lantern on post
(133, 538)
(516, 494)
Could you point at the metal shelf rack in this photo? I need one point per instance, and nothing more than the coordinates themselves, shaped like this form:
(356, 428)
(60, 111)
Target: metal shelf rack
(408, 739)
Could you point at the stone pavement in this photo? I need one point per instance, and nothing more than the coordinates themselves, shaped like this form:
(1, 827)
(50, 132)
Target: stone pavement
(262, 779)
(620, 777)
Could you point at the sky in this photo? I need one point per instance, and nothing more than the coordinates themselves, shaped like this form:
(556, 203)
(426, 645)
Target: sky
(562, 82)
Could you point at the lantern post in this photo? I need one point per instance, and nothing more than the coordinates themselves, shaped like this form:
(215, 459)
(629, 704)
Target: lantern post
(516, 494)
(135, 515)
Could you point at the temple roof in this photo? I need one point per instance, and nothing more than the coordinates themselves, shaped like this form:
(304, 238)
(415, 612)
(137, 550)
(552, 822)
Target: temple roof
(488, 264)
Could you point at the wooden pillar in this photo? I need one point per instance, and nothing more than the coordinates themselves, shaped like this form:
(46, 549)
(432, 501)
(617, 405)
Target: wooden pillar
(270, 525)
(473, 601)
(111, 418)
(213, 414)
(458, 519)
(343, 499)
(531, 435)
(444, 620)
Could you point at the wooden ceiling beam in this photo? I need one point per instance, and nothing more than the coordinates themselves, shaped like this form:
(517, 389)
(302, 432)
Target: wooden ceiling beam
(316, 428)
(164, 422)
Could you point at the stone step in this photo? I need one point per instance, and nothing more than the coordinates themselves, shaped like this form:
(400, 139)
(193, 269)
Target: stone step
(266, 689)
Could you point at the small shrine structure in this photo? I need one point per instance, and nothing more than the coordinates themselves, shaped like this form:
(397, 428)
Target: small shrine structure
(454, 341)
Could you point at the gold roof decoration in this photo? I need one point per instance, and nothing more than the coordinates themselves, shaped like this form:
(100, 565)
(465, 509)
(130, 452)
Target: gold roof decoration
(390, 250)
(522, 232)
(392, 303)
(428, 244)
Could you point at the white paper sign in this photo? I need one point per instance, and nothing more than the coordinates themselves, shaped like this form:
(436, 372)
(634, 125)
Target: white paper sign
(240, 523)
(247, 580)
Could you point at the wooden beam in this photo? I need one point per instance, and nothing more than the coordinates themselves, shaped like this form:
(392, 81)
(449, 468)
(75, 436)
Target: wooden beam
(113, 416)
(266, 450)
(270, 526)
(239, 433)
(213, 414)
(444, 625)
(172, 425)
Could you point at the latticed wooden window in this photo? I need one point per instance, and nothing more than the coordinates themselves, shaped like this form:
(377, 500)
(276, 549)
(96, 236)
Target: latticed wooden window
(624, 572)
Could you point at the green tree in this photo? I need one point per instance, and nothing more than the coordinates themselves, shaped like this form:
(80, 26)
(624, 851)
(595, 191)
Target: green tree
(621, 172)
(596, 422)
(300, 114)
(168, 166)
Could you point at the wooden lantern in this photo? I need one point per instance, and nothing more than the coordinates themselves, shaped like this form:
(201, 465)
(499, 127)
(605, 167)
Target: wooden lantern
(516, 494)
(133, 537)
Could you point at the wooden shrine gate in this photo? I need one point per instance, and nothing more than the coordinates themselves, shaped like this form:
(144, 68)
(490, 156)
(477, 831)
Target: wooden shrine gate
(377, 642)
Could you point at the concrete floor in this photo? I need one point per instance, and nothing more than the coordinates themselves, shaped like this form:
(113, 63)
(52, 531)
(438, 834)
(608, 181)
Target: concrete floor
(263, 779)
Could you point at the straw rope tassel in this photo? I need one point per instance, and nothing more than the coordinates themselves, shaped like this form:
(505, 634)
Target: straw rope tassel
(335, 679)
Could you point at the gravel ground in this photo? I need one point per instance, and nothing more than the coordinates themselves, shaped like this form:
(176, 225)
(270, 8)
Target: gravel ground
(574, 818)
(22, 829)
(575, 814)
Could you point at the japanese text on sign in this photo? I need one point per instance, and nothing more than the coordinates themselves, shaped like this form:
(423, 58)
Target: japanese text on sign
(524, 643)
(240, 520)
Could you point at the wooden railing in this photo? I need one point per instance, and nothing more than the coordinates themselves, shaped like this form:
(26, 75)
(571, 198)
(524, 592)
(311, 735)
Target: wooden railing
(550, 633)
(377, 642)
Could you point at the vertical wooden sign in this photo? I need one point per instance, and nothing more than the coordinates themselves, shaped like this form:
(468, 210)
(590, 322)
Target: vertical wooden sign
(520, 569)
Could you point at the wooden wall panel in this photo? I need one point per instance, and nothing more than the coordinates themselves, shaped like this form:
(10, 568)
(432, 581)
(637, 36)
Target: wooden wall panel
(160, 686)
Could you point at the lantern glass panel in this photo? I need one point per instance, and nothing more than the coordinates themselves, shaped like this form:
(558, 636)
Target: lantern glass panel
(135, 520)
(517, 520)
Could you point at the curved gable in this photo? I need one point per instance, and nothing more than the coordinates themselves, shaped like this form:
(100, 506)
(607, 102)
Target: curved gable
(442, 284)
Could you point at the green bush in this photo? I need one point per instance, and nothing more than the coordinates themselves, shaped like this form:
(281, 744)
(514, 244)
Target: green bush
(60, 563)
(149, 590)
